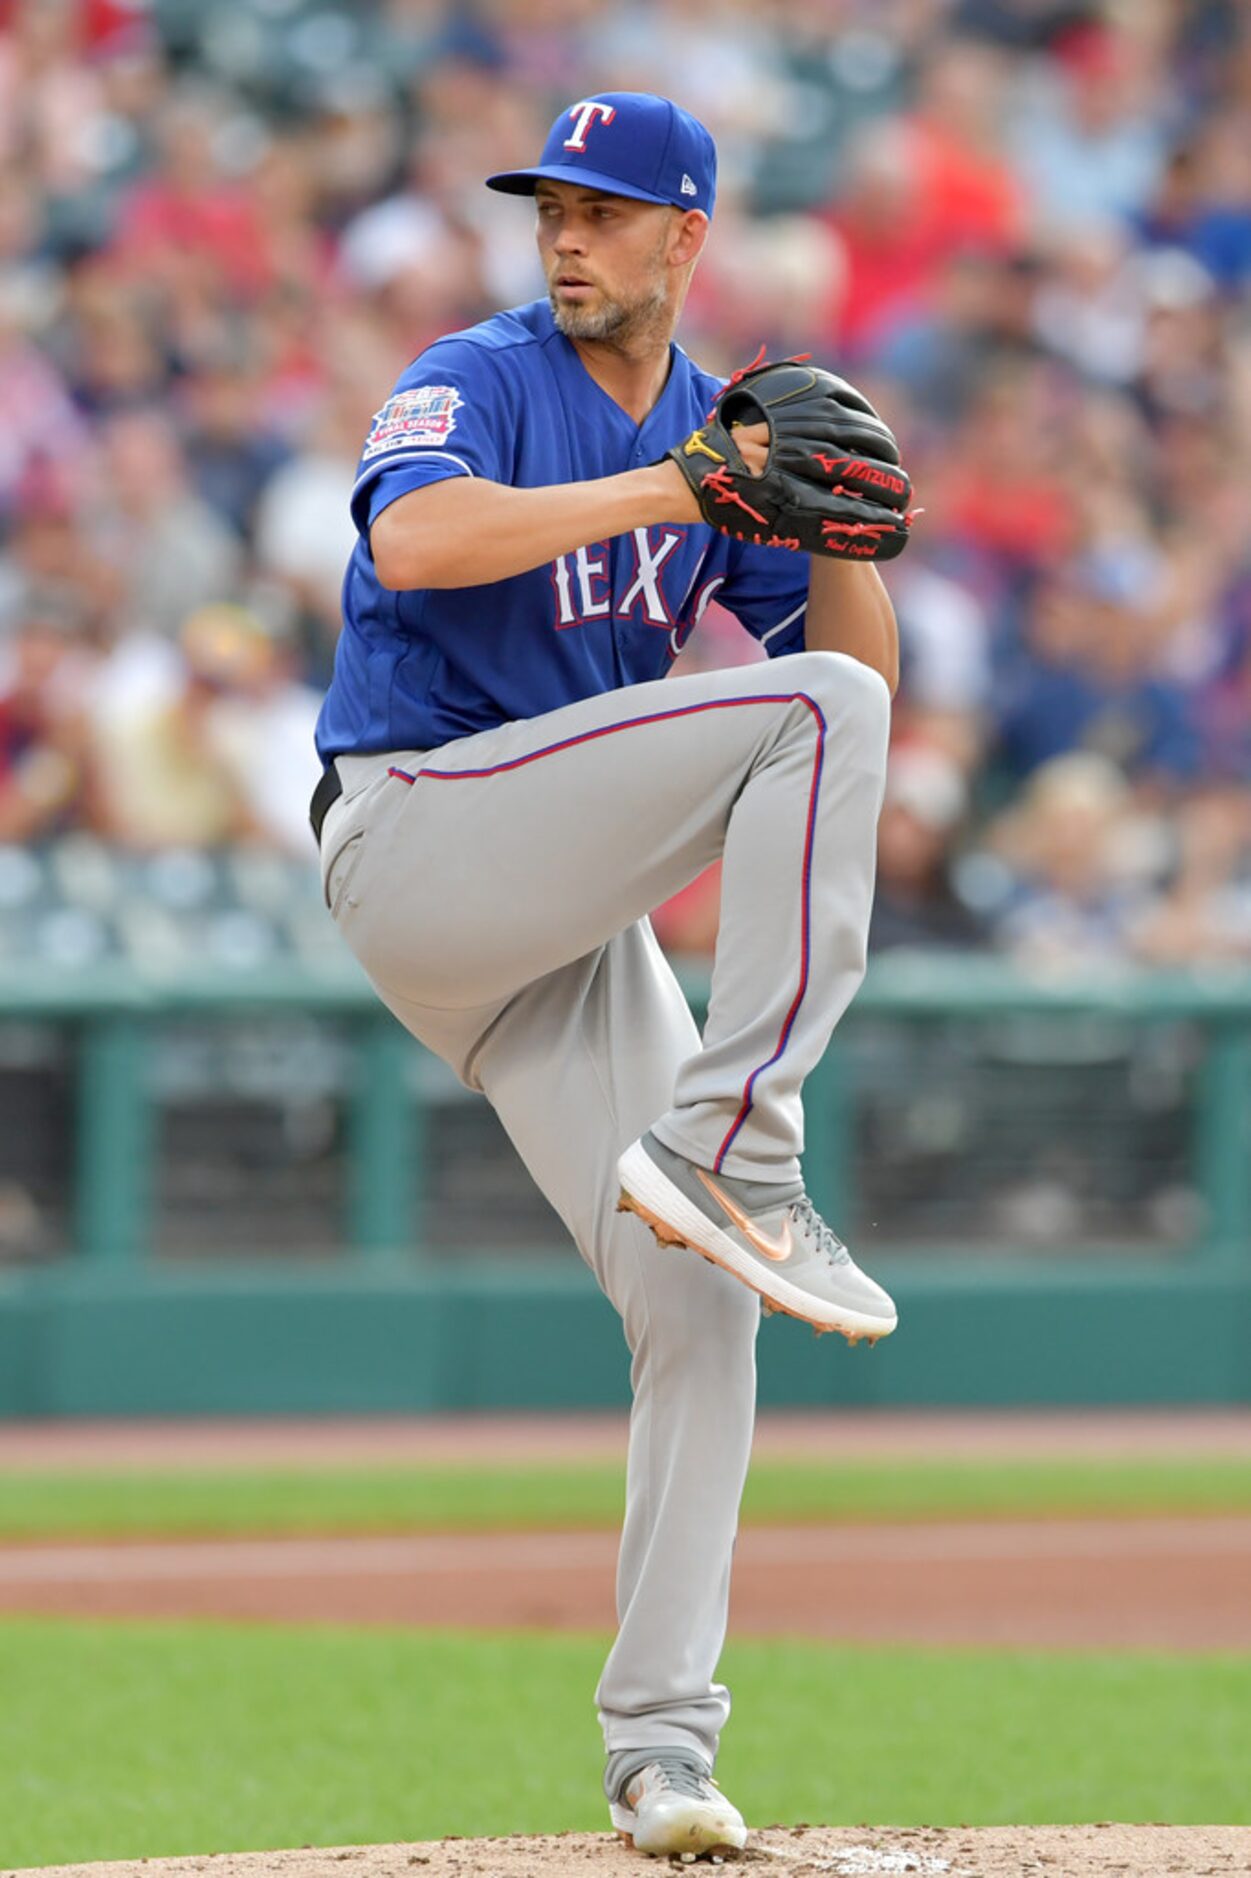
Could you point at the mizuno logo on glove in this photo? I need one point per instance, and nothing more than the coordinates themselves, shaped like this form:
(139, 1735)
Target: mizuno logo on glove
(831, 483)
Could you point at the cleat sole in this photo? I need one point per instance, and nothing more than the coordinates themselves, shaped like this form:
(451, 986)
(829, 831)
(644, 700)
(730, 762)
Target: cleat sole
(664, 1234)
(716, 1851)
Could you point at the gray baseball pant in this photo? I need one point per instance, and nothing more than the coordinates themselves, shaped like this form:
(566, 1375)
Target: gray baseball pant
(496, 891)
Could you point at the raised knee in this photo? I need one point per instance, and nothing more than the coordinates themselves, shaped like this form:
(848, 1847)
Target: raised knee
(848, 681)
(851, 698)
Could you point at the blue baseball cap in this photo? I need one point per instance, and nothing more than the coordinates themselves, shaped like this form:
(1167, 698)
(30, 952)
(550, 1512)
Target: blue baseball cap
(627, 143)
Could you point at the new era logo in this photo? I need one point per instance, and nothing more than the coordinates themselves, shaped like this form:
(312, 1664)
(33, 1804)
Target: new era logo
(688, 187)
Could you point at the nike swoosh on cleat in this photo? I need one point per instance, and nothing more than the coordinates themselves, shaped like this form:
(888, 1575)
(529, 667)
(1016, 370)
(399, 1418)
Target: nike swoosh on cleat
(776, 1250)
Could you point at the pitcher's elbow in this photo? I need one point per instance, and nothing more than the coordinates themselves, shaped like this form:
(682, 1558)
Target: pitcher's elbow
(401, 563)
(401, 574)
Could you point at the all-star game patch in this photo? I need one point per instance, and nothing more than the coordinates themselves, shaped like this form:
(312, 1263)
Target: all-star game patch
(422, 417)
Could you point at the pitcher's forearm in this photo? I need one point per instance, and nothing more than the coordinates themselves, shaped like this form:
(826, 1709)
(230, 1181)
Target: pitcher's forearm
(849, 610)
(466, 532)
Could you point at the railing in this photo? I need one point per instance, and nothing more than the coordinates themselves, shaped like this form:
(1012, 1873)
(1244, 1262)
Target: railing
(113, 1017)
(1052, 1175)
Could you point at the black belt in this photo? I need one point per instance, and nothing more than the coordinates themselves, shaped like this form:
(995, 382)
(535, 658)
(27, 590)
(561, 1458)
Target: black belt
(328, 791)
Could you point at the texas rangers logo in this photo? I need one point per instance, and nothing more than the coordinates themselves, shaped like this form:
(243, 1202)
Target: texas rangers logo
(584, 115)
(419, 419)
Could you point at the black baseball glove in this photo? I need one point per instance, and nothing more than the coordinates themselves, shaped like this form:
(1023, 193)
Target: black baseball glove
(832, 484)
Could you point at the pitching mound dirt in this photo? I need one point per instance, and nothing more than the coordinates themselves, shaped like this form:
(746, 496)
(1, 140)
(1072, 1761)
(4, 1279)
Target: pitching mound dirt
(790, 1852)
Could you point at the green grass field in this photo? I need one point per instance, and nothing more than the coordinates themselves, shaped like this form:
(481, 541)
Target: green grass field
(126, 1739)
(131, 1740)
(419, 1498)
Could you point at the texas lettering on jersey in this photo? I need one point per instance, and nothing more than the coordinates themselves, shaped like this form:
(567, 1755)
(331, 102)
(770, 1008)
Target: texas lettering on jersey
(510, 402)
(583, 584)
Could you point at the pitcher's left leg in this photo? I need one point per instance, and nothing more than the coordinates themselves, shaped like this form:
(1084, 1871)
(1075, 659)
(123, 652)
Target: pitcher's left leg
(719, 1171)
(805, 837)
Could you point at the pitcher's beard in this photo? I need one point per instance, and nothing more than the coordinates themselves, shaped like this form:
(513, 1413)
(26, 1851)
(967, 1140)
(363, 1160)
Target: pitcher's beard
(621, 324)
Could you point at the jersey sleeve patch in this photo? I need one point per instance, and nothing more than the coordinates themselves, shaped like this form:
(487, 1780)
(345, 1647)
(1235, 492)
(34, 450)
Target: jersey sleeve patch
(425, 416)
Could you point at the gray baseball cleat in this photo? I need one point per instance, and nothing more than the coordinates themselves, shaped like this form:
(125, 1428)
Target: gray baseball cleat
(671, 1806)
(769, 1236)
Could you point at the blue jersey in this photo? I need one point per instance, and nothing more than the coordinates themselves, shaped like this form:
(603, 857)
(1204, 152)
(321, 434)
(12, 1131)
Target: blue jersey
(510, 400)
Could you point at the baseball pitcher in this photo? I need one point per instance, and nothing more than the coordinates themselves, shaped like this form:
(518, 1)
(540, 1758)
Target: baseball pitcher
(546, 505)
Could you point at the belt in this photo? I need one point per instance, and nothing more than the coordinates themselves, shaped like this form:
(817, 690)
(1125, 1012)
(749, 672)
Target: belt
(327, 792)
(350, 773)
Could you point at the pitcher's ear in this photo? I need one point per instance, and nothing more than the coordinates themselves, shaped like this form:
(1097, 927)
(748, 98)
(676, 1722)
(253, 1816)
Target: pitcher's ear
(692, 232)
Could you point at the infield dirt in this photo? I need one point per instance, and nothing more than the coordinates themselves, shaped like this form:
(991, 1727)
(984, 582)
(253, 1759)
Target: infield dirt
(790, 1852)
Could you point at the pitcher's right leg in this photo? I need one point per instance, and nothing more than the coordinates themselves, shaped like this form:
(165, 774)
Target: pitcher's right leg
(575, 1065)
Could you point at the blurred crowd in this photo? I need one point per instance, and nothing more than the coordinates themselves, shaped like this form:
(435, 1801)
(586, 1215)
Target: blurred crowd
(1023, 226)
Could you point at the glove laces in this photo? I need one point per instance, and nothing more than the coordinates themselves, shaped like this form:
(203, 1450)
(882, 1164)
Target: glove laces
(796, 358)
(737, 377)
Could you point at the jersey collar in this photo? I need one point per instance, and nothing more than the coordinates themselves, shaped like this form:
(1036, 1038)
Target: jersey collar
(672, 396)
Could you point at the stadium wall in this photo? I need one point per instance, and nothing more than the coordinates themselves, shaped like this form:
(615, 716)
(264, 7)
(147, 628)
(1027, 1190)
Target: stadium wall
(110, 1329)
(311, 1343)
